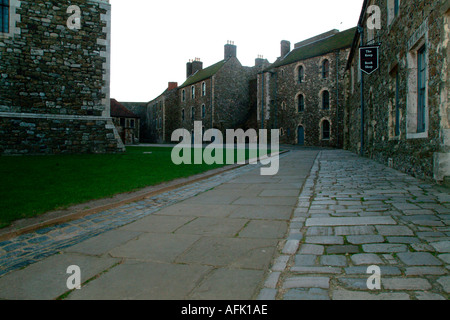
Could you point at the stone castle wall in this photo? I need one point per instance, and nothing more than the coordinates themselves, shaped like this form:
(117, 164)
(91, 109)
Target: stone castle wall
(421, 154)
(55, 80)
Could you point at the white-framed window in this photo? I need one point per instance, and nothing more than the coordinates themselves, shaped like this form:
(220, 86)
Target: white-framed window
(193, 92)
(183, 95)
(417, 109)
(9, 17)
(4, 16)
(203, 89)
(393, 10)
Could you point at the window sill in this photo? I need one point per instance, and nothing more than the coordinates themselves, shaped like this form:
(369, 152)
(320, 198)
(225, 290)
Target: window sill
(422, 135)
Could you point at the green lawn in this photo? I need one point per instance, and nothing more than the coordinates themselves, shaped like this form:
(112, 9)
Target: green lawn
(32, 185)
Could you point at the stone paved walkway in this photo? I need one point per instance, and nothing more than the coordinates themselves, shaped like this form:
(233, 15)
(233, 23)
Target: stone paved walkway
(354, 213)
(310, 232)
(214, 239)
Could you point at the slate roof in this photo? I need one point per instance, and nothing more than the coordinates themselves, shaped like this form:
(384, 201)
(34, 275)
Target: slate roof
(204, 74)
(119, 111)
(338, 41)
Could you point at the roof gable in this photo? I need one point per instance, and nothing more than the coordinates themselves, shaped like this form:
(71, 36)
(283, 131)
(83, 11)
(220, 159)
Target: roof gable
(338, 41)
(119, 111)
(204, 74)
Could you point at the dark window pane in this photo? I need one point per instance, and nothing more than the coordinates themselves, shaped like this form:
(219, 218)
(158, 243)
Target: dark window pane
(325, 130)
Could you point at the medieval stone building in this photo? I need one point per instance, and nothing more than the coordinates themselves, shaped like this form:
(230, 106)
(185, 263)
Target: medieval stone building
(54, 77)
(403, 118)
(302, 93)
(221, 96)
(163, 115)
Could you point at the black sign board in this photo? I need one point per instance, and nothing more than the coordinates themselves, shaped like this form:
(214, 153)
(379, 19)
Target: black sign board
(369, 59)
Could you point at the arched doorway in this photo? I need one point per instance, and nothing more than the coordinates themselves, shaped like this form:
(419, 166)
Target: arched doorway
(301, 136)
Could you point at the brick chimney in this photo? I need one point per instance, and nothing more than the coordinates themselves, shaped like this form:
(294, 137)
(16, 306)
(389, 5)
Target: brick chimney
(173, 85)
(285, 48)
(230, 50)
(197, 65)
(189, 69)
(259, 61)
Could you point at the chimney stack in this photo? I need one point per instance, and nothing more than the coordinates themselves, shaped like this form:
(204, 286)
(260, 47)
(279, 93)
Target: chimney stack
(259, 61)
(230, 50)
(193, 66)
(189, 69)
(173, 85)
(197, 65)
(285, 48)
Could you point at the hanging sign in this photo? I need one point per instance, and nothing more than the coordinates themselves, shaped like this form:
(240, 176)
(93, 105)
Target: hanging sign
(369, 59)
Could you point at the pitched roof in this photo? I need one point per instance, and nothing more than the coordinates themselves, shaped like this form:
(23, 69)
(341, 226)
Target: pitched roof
(119, 111)
(204, 74)
(338, 41)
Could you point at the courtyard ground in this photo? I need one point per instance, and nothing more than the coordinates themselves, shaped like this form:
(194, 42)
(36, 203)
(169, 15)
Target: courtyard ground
(309, 232)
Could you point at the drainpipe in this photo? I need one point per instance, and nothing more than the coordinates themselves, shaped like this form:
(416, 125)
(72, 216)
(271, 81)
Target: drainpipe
(361, 35)
(262, 102)
(337, 97)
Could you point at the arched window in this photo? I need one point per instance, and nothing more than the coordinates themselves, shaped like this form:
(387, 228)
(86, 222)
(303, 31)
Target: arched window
(204, 89)
(182, 115)
(193, 92)
(281, 132)
(300, 103)
(192, 113)
(283, 105)
(183, 95)
(325, 69)
(300, 74)
(326, 130)
(203, 111)
(325, 100)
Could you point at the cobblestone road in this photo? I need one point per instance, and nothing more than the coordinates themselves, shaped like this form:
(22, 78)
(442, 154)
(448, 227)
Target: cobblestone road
(354, 213)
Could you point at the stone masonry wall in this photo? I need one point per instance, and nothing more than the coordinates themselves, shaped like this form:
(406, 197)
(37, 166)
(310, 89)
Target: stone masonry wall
(55, 81)
(424, 155)
(285, 90)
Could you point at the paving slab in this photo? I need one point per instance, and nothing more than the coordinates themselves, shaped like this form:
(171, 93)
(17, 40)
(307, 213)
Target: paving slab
(47, 279)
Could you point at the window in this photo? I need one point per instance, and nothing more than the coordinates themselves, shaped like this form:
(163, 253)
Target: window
(160, 122)
(325, 100)
(192, 113)
(131, 123)
(4, 16)
(325, 130)
(281, 132)
(301, 74)
(283, 105)
(393, 10)
(183, 95)
(203, 89)
(193, 92)
(182, 115)
(301, 103)
(122, 122)
(325, 69)
(203, 111)
(421, 89)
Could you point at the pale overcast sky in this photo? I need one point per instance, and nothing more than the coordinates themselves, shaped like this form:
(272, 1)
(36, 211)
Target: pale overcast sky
(153, 40)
